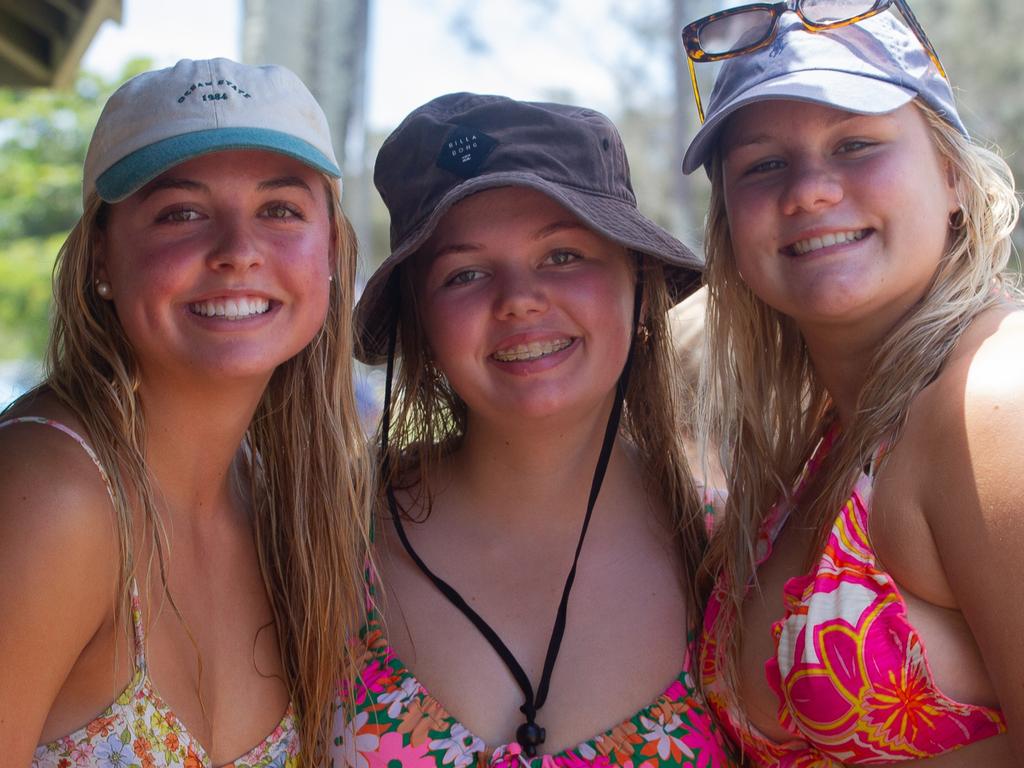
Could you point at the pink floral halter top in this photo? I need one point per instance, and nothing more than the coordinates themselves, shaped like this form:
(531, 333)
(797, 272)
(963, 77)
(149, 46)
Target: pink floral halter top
(396, 723)
(850, 671)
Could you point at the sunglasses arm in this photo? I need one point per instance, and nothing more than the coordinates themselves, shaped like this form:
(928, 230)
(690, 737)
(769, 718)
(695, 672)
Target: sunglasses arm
(696, 90)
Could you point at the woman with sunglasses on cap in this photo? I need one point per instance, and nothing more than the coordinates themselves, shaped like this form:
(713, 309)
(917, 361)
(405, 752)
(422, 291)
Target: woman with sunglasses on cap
(538, 531)
(865, 376)
(182, 499)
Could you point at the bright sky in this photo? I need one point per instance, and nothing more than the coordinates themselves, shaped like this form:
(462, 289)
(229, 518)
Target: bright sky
(537, 53)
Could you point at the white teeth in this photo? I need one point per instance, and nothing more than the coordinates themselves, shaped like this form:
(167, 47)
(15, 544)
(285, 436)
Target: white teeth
(232, 309)
(802, 247)
(532, 351)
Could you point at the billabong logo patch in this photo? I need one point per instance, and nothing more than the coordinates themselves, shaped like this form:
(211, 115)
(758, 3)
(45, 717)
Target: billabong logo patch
(465, 151)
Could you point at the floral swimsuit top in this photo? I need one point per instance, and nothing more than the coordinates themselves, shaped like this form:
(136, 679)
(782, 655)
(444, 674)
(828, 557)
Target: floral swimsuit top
(850, 671)
(138, 730)
(396, 723)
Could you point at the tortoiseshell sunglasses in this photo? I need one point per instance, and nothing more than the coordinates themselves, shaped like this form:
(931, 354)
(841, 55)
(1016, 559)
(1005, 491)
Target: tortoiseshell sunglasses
(742, 30)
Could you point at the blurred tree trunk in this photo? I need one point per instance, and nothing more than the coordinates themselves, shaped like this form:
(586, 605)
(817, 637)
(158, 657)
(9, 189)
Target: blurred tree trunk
(325, 43)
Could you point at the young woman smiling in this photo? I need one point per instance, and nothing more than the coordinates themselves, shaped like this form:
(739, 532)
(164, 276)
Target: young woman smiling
(863, 380)
(539, 532)
(183, 499)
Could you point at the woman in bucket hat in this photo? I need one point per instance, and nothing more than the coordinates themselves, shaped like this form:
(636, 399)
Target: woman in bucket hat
(539, 532)
(183, 498)
(865, 377)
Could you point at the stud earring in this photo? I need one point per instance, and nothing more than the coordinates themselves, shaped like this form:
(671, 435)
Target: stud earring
(103, 289)
(643, 333)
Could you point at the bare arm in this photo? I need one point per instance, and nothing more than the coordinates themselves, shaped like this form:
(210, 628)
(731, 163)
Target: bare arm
(58, 569)
(976, 510)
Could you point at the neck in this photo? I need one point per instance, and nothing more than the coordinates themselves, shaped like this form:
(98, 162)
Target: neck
(192, 439)
(842, 351)
(536, 473)
(842, 356)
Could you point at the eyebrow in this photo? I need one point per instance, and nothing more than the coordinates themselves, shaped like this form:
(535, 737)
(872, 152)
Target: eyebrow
(176, 182)
(282, 182)
(169, 182)
(540, 234)
(556, 227)
(455, 248)
(763, 138)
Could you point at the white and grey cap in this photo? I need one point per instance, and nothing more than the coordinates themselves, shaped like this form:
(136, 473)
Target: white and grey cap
(162, 118)
(872, 67)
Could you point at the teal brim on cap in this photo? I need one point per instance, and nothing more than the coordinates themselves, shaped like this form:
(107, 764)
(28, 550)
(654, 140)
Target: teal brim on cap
(130, 173)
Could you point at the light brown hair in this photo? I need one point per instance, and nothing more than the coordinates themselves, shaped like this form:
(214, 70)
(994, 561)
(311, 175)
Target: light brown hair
(304, 454)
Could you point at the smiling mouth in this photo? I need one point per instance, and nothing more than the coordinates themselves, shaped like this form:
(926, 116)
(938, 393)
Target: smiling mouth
(811, 244)
(535, 350)
(231, 309)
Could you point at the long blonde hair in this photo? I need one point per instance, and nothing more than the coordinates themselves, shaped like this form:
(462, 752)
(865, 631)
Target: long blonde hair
(429, 418)
(761, 400)
(304, 453)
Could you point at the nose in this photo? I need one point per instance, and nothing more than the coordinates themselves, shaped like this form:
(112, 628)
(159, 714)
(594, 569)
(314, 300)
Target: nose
(521, 293)
(236, 245)
(810, 186)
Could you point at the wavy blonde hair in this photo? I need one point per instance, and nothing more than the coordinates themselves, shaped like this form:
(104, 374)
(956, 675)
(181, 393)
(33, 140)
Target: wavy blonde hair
(762, 401)
(429, 418)
(304, 456)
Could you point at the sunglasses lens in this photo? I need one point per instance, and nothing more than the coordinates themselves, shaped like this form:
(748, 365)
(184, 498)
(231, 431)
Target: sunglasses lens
(736, 31)
(831, 11)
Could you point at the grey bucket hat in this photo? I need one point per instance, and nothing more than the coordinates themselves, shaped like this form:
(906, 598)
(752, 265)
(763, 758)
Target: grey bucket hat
(464, 143)
(872, 67)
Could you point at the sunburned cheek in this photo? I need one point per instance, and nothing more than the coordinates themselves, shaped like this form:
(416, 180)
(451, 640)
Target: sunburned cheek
(308, 257)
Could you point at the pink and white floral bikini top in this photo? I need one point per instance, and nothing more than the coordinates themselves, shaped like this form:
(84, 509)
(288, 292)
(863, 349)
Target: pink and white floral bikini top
(850, 671)
(138, 728)
(396, 722)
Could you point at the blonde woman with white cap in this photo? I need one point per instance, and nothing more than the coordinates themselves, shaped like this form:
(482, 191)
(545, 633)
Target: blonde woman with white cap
(865, 379)
(182, 526)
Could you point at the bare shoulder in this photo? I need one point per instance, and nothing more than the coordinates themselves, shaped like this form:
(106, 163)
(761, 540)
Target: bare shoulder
(54, 503)
(968, 445)
(975, 408)
(43, 461)
(59, 558)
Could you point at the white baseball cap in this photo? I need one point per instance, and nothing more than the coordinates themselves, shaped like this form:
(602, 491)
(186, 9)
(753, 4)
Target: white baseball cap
(162, 118)
(872, 67)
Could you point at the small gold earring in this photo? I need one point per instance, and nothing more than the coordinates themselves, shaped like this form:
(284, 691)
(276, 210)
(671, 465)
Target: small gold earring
(643, 333)
(103, 289)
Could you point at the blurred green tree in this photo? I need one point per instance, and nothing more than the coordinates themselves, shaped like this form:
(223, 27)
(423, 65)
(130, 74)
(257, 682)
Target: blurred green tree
(43, 138)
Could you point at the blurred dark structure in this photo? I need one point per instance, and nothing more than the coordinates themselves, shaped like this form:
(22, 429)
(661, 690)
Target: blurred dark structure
(43, 41)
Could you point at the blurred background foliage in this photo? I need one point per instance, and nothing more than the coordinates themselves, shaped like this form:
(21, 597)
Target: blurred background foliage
(44, 133)
(43, 138)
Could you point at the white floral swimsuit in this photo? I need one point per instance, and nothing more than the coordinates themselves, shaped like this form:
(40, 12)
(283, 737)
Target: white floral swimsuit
(138, 730)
